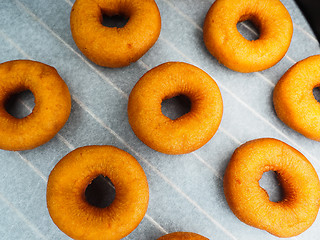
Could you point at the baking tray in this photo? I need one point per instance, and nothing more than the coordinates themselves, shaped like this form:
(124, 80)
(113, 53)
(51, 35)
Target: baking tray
(186, 192)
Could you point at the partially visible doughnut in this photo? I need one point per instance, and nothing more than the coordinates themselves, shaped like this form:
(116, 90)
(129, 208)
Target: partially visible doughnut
(225, 43)
(115, 47)
(293, 97)
(52, 104)
(299, 207)
(67, 185)
(190, 131)
(182, 236)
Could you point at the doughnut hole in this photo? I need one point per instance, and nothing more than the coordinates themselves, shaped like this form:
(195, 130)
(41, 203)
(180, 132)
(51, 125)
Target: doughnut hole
(100, 192)
(176, 107)
(316, 93)
(118, 21)
(248, 28)
(20, 104)
(269, 182)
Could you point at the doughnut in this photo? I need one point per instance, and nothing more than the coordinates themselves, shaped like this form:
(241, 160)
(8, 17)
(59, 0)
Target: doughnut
(293, 98)
(188, 132)
(182, 236)
(68, 184)
(230, 48)
(111, 46)
(52, 104)
(250, 203)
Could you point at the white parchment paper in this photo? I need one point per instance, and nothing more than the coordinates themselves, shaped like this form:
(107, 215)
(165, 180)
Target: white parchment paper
(186, 192)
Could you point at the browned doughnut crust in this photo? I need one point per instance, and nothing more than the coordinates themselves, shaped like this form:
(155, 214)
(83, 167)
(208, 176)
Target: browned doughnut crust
(69, 179)
(293, 97)
(182, 236)
(190, 131)
(299, 207)
(52, 104)
(115, 47)
(225, 43)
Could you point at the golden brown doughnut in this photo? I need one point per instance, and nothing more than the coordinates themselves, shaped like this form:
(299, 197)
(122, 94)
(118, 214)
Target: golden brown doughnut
(293, 97)
(182, 236)
(67, 184)
(52, 104)
(115, 47)
(225, 43)
(250, 203)
(187, 133)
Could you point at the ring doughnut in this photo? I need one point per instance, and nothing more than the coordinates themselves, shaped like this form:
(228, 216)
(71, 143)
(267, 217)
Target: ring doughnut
(182, 236)
(67, 184)
(52, 104)
(224, 41)
(250, 203)
(115, 47)
(293, 98)
(190, 131)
